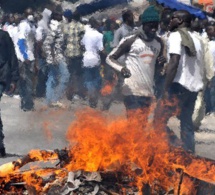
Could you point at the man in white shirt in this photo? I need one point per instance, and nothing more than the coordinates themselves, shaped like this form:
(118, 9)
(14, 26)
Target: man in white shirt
(185, 72)
(93, 43)
(26, 41)
(163, 33)
(142, 51)
(200, 106)
(210, 91)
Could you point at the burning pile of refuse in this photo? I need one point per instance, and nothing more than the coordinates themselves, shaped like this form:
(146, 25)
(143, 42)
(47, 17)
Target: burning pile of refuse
(109, 156)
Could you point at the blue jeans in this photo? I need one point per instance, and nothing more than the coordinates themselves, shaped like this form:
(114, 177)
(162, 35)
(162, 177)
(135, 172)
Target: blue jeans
(92, 82)
(58, 77)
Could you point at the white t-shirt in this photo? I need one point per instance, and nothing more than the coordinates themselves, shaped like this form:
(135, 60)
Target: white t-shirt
(93, 43)
(212, 49)
(140, 60)
(15, 38)
(190, 73)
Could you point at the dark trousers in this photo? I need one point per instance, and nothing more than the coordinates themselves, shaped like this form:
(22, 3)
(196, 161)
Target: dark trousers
(1, 134)
(159, 85)
(41, 78)
(76, 83)
(133, 102)
(26, 85)
(140, 103)
(185, 102)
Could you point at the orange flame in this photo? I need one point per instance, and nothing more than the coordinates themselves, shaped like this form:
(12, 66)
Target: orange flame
(123, 144)
(102, 142)
(107, 89)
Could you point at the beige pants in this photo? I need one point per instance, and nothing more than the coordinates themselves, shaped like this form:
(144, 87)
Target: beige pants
(199, 110)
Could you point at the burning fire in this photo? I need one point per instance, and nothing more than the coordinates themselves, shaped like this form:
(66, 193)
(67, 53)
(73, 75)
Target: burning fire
(104, 144)
(134, 146)
(107, 89)
(109, 86)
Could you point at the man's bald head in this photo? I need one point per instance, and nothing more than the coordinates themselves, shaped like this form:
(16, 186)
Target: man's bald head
(184, 15)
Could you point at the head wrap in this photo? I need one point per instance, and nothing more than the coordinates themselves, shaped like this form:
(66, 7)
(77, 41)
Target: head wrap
(150, 15)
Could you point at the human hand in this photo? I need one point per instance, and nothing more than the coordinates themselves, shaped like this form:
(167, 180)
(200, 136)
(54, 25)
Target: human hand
(125, 72)
(161, 60)
(209, 84)
(27, 62)
(12, 88)
(36, 67)
(1, 90)
(165, 95)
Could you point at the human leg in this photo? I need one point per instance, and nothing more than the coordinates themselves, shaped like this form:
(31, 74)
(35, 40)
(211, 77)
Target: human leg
(133, 103)
(42, 78)
(2, 147)
(212, 94)
(75, 85)
(26, 86)
(187, 103)
(63, 80)
(51, 84)
(92, 82)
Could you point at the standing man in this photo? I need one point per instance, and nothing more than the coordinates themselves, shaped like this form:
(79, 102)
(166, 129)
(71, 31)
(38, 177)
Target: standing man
(141, 51)
(109, 75)
(58, 74)
(163, 34)
(210, 90)
(41, 32)
(185, 72)
(200, 106)
(9, 74)
(125, 29)
(26, 41)
(93, 43)
(74, 54)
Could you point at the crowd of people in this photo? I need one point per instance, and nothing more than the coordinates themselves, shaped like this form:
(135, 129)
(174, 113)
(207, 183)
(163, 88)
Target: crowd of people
(163, 55)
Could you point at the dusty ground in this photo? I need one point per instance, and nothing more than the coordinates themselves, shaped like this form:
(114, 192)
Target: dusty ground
(46, 128)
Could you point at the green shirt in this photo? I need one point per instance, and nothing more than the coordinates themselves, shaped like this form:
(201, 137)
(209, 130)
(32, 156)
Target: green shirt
(107, 39)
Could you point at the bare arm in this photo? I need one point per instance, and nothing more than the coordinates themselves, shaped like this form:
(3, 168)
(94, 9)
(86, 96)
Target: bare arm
(171, 70)
(123, 48)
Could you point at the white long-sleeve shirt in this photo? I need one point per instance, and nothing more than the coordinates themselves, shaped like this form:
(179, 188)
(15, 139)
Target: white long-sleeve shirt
(26, 31)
